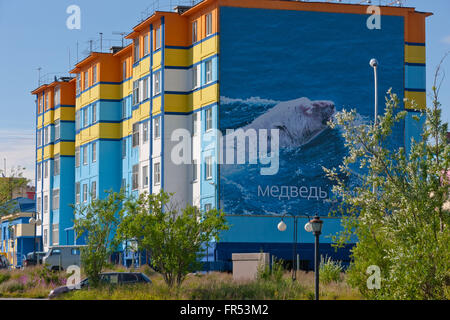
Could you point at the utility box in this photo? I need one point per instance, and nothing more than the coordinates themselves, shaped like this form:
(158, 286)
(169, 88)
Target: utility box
(246, 265)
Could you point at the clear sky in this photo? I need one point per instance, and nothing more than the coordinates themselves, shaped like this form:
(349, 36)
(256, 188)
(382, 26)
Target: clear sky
(33, 34)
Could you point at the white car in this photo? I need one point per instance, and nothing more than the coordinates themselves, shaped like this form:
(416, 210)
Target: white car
(61, 257)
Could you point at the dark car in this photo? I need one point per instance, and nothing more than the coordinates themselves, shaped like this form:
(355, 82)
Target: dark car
(111, 278)
(32, 259)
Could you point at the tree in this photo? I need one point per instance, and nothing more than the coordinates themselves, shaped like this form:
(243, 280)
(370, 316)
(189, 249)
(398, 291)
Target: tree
(397, 210)
(98, 221)
(9, 185)
(175, 238)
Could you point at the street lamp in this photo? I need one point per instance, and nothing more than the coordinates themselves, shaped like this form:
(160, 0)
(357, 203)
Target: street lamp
(37, 222)
(315, 226)
(374, 65)
(282, 227)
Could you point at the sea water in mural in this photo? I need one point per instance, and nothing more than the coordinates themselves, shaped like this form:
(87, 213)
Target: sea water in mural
(292, 71)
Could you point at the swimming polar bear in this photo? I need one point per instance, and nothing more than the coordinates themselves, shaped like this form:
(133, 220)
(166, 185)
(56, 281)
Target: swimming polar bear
(299, 121)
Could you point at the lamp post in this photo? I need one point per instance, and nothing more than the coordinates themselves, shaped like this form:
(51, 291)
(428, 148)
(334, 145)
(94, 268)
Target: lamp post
(282, 227)
(315, 226)
(374, 65)
(37, 222)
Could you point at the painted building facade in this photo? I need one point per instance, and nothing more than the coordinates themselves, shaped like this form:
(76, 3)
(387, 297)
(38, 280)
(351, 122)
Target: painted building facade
(220, 65)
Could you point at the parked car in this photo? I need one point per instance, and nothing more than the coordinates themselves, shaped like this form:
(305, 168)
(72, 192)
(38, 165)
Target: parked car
(111, 278)
(32, 259)
(4, 263)
(61, 257)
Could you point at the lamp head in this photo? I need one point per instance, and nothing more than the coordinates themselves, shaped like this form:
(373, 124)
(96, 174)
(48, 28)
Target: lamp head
(374, 63)
(282, 226)
(316, 225)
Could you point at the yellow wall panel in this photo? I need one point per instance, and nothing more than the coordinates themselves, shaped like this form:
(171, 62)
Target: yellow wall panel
(110, 91)
(177, 103)
(145, 110)
(419, 97)
(415, 54)
(177, 57)
(48, 152)
(101, 91)
(39, 123)
(48, 117)
(156, 60)
(126, 128)
(156, 105)
(65, 114)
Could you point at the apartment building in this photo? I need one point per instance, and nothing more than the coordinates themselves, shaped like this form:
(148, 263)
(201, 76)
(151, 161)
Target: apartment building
(218, 65)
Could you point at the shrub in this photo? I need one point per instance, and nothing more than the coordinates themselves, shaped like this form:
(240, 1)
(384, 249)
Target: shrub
(4, 277)
(330, 270)
(275, 274)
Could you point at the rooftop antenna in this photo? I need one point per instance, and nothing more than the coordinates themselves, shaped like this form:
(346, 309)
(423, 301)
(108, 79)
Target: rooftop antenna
(101, 41)
(90, 46)
(120, 33)
(39, 76)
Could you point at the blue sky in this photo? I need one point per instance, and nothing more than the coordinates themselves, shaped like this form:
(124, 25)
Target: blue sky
(34, 34)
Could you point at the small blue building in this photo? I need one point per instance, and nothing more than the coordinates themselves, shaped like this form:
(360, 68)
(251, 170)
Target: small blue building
(17, 235)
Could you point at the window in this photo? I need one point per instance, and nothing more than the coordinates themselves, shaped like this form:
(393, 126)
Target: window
(45, 135)
(124, 70)
(56, 165)
(145, 131)
(86, 80)
(135, 177)
(77, 157)
(158, 38)
(94, 113)
(56, 199)
(208, 168)
(195, 76)
(123, 185)
(157, 173)
(39, 138)
(94, 152)
(47, 104)
(157, 83)
(55, 234)
(45, 204)
(209, 24)
(145, 176)
(57, 96)
(38, 205)
(145, 94)
(77, 120)
(39, 171)
(135, 92)
(194, 170)
(85, 155)
(46, 170)
(194, 32)
(94, 190)
(194, 123)
(146, 51)
(78, 84)
(45, 237)
(124, 148)
(135, 135)
(156, 127)
(209, 120)
(136, 50)
(85, 117)
(208, 207)
(94, 74)
(208, 68)
(85, 192)
(57, 130)
(124, 109)
(77, 193)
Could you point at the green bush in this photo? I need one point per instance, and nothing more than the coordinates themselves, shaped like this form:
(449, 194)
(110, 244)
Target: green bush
(11, 286)
(330, 270)
(4, 277)
(275, 274)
